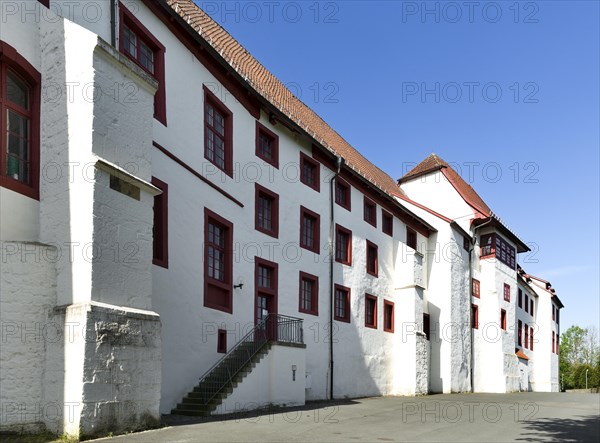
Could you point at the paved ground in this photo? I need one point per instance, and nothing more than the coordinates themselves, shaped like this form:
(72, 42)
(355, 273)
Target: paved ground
(529, 417)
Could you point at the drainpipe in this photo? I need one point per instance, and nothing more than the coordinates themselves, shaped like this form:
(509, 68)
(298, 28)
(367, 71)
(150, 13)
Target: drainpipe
(113, 23)
(339, 163)
(473, 243)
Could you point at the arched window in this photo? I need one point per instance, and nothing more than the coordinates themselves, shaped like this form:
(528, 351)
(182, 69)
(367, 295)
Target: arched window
(19, 123)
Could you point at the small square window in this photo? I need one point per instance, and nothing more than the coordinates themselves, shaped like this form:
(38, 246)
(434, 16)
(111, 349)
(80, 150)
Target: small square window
(267, 211)
(370, 213)
(222, 341)
(388, 316)
(370, 311)
(343, 245)
(503, 319)
(342, 304)
(387, 222)
(476, 288)
(506, 292)
(267, 145)
(310, 228)
(309, 293)
(411, 238)
(310, 172)
(372, 260)
(342, 193)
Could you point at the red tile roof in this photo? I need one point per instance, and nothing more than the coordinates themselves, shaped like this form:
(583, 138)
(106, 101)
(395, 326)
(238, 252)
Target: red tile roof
(275, 92)
(519, 353)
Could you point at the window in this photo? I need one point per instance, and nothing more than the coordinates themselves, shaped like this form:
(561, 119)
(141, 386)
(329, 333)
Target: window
(137, 43)
(506, 292)
(160, 230)
(531, 338)
(553, 338)
(310, 172)
(476, 288)
(474, 317)
(553, 315)
(342, 194)
(372, 261)
(266, 211)
(492, 245)
(19, 123)
(309, 293)
(387, 222)
(370, 311)
(526, 303)
(520, 333)
(426, 326)
(388, 316)
(503, 319)
(343, 245)
(217, 133)
(222, 341)
(370, 212)
(411, 238)
(267, 145)
(218, 263)
(466, 243)
(342, 303)
(531, 307)
(310, 228)
(520, 298)
(526, 336)
(557, 311)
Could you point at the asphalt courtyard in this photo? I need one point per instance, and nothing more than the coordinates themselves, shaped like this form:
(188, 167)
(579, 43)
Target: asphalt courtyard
(528, 417)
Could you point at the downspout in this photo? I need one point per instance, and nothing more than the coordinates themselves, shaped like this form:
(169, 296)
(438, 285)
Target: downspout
(473, 243)
(113, 23)
(339, 163)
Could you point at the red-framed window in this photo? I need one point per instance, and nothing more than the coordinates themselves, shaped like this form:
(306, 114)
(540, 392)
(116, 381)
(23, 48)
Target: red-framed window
(476, 288)
(310, 230)
(222, 341)
(553, 338)
(370, 311)
(218, 133)
(493, 245)
(387, 223)
(531, 338)
(372, 259)
(506, 292)
(370, 211)
(218, 262)
(388, 316)
(343, 194)
(426, 325)
(503, 319)
(266, 211)
(267, 145)
(310, 172)
(341, 303)
(531, 307)
(343, 245)
(520, 299)
(138, 43)
(309, 294)
(526, 303)
(160, 229)
(411, 238)
(557, 312)
(474, 316)
(19, 123)
(266, 276)
(520, 333)
(526, 336)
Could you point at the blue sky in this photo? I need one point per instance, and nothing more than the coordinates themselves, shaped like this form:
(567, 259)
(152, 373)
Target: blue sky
(508, 92)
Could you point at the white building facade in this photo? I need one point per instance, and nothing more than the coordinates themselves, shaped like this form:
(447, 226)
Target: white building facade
(168, 206)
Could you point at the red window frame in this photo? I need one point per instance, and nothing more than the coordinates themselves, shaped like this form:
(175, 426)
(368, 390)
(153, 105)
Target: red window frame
(553, 338)
(370, 211)
(520, 299)
(526, 336)
(11, 59)
(503, 319)
(493, 245)
(342, 188)
(411, 238)
(387, 223)
(144, 35)
(388, 316)
(263, 193)
(531, 338)
(506, 292)
(316, 234)
(476, 288)
(314, 299)
(222, 341)
(341, 295)
(211, 99)
(271, 290)
(338, 258)
(262, 130)
(215, 289)
(370, 314)
(160, 230)
(474, 316)
(426, 325)
(372, 259)
(305, 160)
(520, 333)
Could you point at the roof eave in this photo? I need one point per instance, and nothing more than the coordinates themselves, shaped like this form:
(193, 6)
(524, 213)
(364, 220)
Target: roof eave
(494, 222)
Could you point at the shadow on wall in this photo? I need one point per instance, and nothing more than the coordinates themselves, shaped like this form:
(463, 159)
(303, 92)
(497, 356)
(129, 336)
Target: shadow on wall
(586, 428)
(435, 376)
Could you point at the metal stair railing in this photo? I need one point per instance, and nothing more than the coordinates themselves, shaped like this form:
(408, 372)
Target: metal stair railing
(273, 327)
